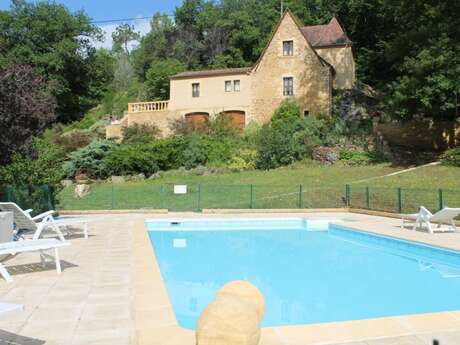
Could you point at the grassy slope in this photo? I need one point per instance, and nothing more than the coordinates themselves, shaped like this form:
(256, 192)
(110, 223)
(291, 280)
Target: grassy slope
(323, 187)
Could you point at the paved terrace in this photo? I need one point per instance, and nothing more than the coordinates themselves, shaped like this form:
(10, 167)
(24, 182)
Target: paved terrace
(111, 292)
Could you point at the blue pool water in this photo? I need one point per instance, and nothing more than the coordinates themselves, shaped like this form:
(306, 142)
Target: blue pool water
(306, 276)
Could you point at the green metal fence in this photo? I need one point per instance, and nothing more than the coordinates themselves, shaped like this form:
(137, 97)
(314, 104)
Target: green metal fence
(106, 196)
(38, 198)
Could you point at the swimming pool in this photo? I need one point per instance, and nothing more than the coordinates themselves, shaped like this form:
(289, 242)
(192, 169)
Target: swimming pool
(308, 271)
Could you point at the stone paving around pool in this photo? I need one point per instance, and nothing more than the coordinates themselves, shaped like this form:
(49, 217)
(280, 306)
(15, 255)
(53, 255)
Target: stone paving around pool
(111, 292)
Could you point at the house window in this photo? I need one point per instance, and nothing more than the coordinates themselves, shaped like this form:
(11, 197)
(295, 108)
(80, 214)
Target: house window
(195, 89)
(228, 86)
(236, 85)
(288, 86)
(288, 48)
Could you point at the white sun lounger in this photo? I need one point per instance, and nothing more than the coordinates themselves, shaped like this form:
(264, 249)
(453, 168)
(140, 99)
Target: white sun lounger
(425, 218)
(31, 246)
(71, 221)
(37, 224)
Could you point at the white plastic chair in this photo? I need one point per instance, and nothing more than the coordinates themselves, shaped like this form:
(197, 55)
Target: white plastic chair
(425, 218)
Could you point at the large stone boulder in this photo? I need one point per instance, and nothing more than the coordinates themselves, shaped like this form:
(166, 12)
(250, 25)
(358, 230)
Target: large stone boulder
(81, 190)
(245, 291)
(117, 179)
(233, 318)
(66, 183)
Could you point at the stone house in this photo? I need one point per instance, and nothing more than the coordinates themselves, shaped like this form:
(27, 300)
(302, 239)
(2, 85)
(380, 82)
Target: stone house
(300, 62)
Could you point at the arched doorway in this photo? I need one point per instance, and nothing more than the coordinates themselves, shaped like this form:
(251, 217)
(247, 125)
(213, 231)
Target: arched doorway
(236, 118)
(196, 120)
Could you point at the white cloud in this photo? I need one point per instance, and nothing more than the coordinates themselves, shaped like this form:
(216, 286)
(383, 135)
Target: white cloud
(140, 25)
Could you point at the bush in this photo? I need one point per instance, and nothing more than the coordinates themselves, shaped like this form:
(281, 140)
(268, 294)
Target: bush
(244, 160)
(130, 160)
(451, 157)
(139, 133)
(90, 159)
(354, 158)
(289, 137)
(147, 158)
(74, 140)
(43, 169)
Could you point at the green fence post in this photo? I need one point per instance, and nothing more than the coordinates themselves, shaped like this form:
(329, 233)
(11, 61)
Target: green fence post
(162, 203)
(399, 200)
(347, 195)
(8, 193)
(368, 202)
(251, 198)
(441, 199)
(49, 201)
(300, 196)
(199, 198)
(113, 197)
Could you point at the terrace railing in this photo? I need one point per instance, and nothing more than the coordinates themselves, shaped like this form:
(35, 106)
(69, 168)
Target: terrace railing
(147, 106)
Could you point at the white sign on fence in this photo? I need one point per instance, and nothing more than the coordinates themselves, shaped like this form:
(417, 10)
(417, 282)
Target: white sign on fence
(180, 189)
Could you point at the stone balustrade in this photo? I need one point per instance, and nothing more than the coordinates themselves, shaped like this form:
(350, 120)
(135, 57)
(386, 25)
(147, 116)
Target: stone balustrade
(147, 106)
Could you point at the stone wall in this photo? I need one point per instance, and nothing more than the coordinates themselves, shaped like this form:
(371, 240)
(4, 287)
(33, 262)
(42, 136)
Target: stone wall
(421, 135)
(161, 119)
(312, 81)
(344, 65)
(113, 131)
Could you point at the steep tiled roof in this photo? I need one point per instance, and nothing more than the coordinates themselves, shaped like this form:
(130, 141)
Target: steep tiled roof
(212, 73)
(330, 34)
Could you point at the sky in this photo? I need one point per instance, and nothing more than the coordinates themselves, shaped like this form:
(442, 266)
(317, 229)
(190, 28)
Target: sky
(101, 10)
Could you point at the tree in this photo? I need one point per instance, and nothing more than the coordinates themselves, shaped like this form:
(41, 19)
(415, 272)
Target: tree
(156, 44)
(157, 83)
(27, 108)
(122, 36)
(58, 45)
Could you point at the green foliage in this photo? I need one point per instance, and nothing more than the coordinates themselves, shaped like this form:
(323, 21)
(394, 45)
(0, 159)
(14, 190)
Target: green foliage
(89, 160)
(451, 157)
(73, 140)
(139, 133)
(157, 78)
(123, 34)
(354, 157)
(130, 160)
(59, 46)
(243, 161)
(289, 137)
(44, 169)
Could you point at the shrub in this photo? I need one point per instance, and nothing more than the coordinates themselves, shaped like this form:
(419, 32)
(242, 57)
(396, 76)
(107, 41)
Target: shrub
(130, 160)
(196, 152)
(354, 158)
(139, 133)
(289, 137)
(147, 158)
(90, 159)
(451, 157)
(244, 160)
(74, 140)
(43, 169)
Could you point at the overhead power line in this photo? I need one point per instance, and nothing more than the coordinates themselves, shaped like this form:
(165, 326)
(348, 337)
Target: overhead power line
(123, 20)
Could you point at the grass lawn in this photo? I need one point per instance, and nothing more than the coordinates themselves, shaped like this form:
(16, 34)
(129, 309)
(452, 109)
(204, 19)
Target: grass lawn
(322, 186)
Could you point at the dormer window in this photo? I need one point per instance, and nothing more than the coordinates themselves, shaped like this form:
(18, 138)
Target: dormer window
(288, 48)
